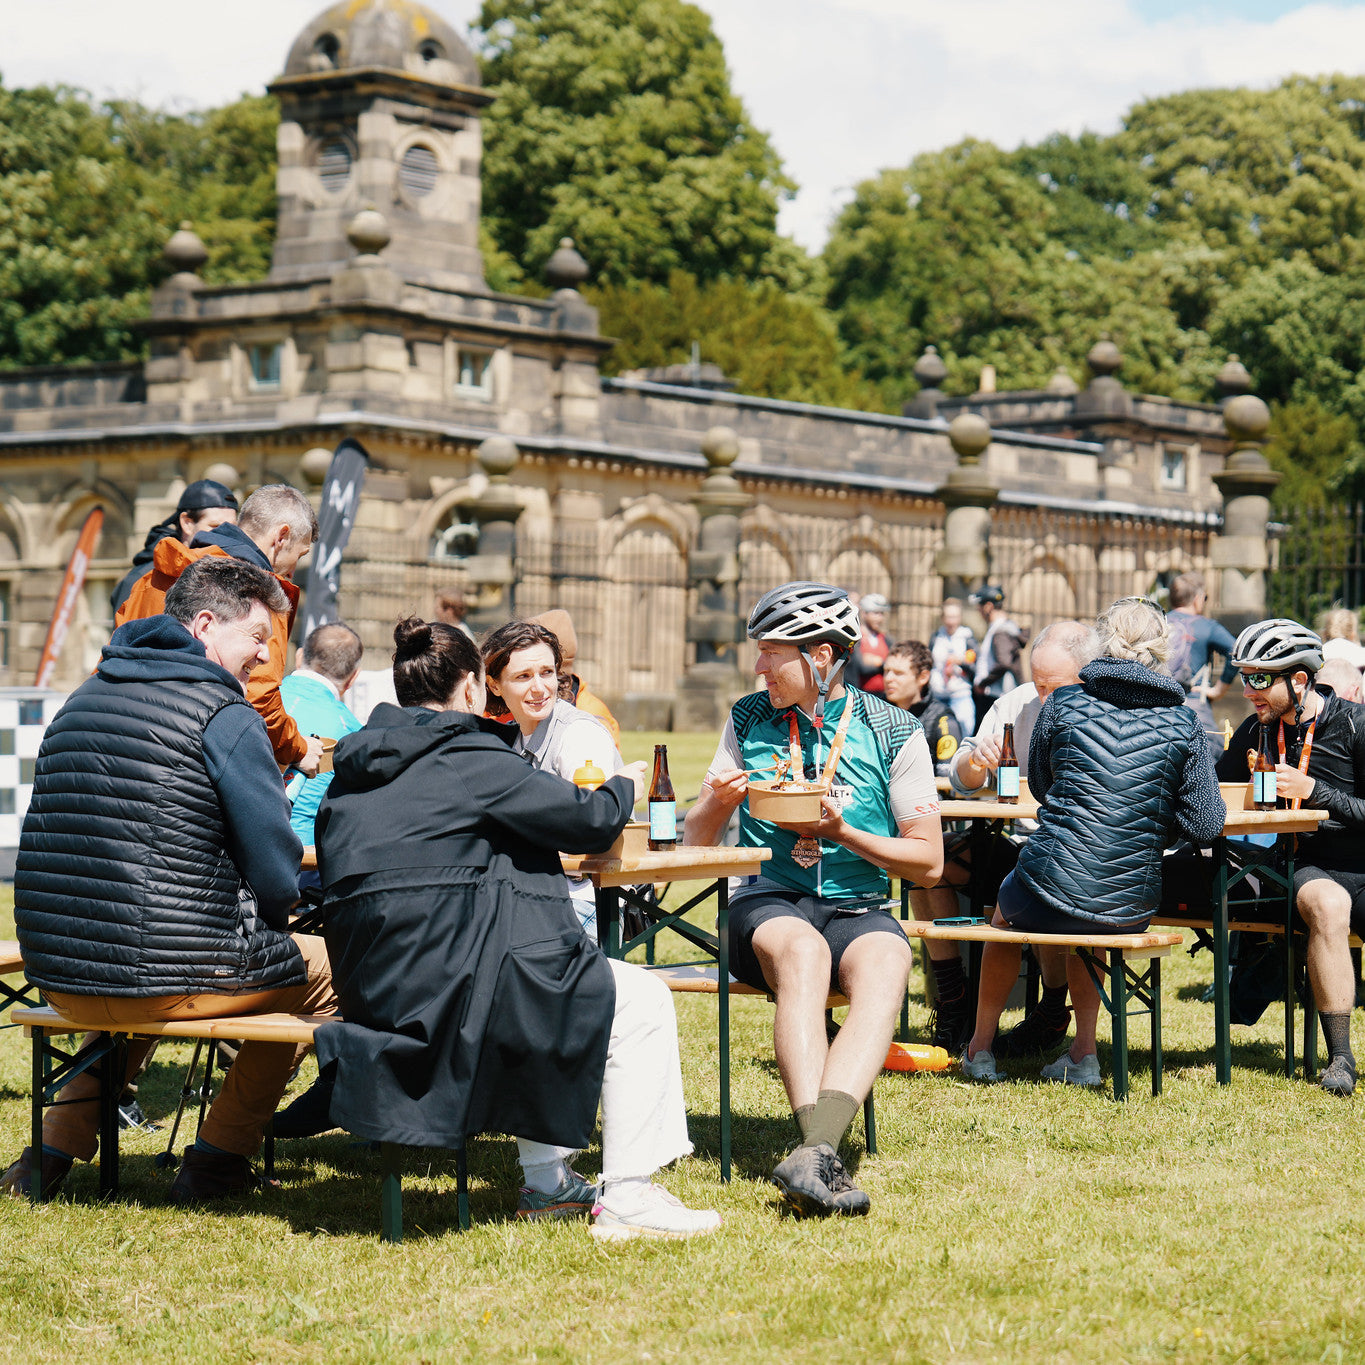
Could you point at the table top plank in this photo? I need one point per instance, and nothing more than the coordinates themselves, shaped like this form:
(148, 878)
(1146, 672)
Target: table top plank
(1237, 822)
(686, 863)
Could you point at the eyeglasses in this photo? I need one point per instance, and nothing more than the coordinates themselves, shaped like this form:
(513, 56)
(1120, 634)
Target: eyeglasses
(1260, 682)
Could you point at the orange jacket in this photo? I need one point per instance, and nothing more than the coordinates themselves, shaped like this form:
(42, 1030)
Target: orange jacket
(595, 706)
(148, 598)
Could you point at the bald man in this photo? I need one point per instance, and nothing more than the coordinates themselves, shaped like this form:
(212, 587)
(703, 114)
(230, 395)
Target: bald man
(560, 624)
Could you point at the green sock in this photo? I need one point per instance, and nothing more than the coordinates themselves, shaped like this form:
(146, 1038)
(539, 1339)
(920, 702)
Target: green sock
(803, 1118)
(830, 1118)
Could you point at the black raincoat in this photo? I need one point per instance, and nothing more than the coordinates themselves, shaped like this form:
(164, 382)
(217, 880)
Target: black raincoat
(473, 1002)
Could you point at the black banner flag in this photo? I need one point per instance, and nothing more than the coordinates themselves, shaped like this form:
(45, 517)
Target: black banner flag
(340, 498)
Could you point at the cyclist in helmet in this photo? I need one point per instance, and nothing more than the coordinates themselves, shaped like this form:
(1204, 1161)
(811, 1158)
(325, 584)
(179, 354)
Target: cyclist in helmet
(1320, 740)
(814, 922)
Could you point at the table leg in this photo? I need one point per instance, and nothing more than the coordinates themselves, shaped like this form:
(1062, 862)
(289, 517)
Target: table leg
(39, 1095)
(723, 975)
(904, 1034)
(391, 1192)
(1154, 986)
(610, 896)
(1118, 1007)
(1222, 1003)
(113, 1071)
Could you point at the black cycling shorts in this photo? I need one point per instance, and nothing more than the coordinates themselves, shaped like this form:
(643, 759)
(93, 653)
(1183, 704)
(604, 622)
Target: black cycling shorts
(1353, 882)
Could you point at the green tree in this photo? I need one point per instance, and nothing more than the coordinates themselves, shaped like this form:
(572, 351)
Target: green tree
(615, 124)
(768, 341)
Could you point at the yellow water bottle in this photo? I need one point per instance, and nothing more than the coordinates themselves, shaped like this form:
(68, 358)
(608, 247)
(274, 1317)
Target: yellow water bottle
(589, 777)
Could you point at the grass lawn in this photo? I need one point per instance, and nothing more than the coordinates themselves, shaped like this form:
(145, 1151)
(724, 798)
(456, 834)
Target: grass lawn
(1019, 1223)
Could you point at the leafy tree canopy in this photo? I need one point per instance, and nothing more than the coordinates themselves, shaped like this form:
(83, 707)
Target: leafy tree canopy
(615, 124)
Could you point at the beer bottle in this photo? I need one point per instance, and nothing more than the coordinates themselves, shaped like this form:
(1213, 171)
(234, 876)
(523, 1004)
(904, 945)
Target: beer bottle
(663, 808)
(1007, 774)
(1263, 781)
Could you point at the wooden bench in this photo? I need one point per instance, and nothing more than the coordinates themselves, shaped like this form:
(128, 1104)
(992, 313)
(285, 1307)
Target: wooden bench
(53, 1068)
(12, 964)
(1127, 981)
(695, 978)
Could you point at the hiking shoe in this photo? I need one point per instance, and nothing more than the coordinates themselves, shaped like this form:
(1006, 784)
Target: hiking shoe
(205, 1176)
(1032, 1036)
(952, 1026)
(980, 1068)
(573, 1199)
(1086, 1072)
(804, 1180)
(1339, 1078)
(849, 1200)
(130, 1115)
(18, 1180)
(308, 1115)
(656, 1214)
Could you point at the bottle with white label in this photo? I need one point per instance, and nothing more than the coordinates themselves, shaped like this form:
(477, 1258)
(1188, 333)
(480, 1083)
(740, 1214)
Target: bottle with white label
(1263, 781)
(1007, 774)
(663, 807)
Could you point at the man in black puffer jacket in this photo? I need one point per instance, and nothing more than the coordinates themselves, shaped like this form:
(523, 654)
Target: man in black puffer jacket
(157, 866)
(1121, 768)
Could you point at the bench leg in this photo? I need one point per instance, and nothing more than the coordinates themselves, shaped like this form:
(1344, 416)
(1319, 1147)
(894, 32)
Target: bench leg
(1154, 986)
(723, 1013)
(1118, 1013)
(113, 1071)
(1222, 1004)
(462, 1187)
(870, 1124)
(36, 1117)
(1290, 1060)
(391, 1193)
(1310, 1037)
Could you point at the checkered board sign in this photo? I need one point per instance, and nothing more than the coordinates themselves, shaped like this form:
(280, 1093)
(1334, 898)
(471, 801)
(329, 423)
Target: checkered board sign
(24, 715)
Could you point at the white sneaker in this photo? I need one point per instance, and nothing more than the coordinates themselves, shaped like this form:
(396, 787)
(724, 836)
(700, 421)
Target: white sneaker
(1086, 1072)
(980, 1068)
(655, 1214)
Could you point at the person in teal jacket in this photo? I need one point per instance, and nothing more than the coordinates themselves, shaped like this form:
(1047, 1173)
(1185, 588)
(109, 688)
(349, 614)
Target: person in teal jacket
(327, 666)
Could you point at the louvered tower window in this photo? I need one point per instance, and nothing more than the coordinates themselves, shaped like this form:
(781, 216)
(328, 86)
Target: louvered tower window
(418, 170)
(334, 165)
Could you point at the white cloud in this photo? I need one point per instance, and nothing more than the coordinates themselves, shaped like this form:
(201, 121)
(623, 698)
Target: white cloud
(845, 87)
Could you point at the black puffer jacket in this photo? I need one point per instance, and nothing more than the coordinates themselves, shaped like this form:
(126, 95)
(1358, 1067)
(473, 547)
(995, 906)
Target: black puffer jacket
(129, 878)
(1121, 767)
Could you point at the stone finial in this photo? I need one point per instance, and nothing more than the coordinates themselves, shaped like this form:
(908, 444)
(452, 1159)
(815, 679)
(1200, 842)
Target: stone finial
(566, 269)
(720, 445)
(1062, 384)
(930, 371)
(969, 435)
(498, 456)
(368, 232)
(1247, 420)
(1232, 379)
(1104, 358)
(223, 473)
(185, 253)
(315, 463)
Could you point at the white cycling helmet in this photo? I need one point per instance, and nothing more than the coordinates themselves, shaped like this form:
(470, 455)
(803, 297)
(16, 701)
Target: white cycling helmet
(1278, 646)
(873, 601)
(807, 614)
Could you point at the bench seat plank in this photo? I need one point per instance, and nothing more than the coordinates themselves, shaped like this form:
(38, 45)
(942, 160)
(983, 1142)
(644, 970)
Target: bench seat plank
(695, 978)
(11, 959)
(265, 1028)
(986, 933)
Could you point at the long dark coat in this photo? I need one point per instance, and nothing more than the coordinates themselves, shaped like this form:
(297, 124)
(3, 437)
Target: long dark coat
(473, 1002)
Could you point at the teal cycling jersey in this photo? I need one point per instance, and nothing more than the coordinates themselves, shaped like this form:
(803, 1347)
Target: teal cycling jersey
(885, 765)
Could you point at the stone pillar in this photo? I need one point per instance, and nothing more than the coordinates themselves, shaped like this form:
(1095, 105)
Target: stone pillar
(492, 571)
(968, 496)
(930, 372)
(714, 681)
(1242, 552)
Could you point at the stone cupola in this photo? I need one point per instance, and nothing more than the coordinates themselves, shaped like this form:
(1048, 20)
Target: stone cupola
(380, 105)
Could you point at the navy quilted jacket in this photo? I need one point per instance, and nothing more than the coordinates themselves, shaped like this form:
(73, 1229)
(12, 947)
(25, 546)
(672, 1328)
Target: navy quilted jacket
(1121, 768)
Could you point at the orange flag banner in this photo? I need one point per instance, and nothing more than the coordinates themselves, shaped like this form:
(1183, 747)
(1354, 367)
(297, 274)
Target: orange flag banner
(66, 599)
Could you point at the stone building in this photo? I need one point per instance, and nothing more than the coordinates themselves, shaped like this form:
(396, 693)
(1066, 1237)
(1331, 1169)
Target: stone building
(654, 508)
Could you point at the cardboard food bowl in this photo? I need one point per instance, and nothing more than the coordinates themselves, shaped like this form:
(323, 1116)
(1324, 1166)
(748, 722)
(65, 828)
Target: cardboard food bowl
(632, 842)
(325, 762)
(798, 804)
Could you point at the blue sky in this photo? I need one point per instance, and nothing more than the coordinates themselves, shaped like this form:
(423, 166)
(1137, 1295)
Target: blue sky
(844, 87)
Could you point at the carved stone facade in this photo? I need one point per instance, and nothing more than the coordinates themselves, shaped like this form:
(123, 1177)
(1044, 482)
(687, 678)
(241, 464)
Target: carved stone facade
(375, 322)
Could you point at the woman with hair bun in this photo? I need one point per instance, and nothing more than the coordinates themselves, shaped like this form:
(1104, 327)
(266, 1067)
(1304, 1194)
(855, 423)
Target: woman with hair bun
(1121, 768)
(473, 1001)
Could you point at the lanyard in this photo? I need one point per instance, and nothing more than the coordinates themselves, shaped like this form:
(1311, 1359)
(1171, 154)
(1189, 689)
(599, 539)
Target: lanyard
(1303, 757)
(798, 761)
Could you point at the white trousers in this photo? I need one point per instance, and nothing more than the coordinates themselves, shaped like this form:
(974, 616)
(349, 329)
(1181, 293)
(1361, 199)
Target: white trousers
(644, 1123)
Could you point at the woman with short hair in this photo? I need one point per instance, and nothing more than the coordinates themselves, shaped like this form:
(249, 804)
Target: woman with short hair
(473, 1001)
(1121, 769)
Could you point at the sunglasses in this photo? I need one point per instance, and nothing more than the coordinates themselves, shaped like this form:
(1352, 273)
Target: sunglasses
(1260, 682)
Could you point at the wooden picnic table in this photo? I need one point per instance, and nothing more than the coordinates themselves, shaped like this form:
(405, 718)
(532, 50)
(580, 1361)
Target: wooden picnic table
(1238, 824)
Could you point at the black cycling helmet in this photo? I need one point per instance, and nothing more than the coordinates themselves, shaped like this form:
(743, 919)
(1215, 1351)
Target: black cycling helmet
(805, 614)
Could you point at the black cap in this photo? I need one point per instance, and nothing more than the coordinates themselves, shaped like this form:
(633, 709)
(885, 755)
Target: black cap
(992, 593)
(204, 493)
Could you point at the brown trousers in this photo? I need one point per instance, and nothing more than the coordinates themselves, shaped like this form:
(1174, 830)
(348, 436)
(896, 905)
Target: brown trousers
(253, 1085)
